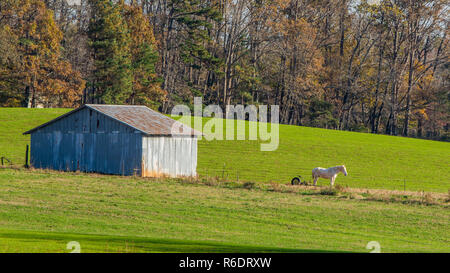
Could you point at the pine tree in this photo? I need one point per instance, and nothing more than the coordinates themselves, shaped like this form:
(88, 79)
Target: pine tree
(110, 43)
(146, 87)
(196, 18)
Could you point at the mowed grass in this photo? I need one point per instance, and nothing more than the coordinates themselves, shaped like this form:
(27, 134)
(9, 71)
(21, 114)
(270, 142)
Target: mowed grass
(41, 211)
(372, 161)
(15, 121)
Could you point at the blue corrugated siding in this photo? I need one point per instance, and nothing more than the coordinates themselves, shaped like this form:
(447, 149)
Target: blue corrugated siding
(87, 141)
(87, 121)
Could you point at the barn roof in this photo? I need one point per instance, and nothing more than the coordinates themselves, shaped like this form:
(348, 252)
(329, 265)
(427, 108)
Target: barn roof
(138, 117)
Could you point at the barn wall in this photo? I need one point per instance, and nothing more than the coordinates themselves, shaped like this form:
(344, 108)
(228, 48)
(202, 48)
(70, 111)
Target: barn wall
(87, 141)
(169, 156)
(87, 121)
(109, 153)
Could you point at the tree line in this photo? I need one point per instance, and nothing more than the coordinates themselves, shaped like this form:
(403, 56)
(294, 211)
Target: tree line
(371, 66)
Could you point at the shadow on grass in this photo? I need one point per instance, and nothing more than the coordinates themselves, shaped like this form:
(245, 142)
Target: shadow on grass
(51, 242)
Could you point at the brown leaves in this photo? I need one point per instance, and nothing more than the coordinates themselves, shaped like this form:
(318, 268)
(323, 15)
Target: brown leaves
(51, 80)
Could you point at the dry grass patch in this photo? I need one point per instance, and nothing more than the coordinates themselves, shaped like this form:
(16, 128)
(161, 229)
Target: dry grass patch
(340, 191)
(406, 197)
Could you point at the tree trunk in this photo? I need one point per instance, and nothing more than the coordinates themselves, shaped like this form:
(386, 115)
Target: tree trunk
(408, 94)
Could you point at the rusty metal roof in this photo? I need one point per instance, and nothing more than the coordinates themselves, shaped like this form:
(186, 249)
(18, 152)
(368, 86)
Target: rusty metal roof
(140, 118)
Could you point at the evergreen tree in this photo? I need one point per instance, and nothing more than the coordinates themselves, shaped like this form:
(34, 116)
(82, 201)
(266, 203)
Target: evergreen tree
(110, 43)
(197, 18)
(146, 87)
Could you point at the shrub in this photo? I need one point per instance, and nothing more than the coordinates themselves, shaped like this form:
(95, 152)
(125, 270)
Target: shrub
(248, 185)
(339, 187)
(328, 191)
(276, 187)
(428, 199)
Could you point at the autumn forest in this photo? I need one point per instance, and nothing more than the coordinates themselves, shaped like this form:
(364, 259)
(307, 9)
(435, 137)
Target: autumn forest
(369, 66)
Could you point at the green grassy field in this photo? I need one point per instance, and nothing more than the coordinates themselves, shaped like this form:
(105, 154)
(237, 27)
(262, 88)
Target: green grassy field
(44, 210)
(372, 161)
(41, 211)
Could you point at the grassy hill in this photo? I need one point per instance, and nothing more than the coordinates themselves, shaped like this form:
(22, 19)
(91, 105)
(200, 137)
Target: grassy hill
(372, 161)
(41, 210)
(44, 210)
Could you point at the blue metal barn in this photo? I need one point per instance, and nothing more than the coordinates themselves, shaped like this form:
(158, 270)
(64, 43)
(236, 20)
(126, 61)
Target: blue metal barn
(115, 139)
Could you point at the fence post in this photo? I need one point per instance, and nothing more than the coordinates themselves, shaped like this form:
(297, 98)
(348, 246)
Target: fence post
(26, 157)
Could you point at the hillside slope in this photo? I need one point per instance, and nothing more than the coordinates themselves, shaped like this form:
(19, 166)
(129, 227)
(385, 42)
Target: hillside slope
(372, 161)
(44, 210)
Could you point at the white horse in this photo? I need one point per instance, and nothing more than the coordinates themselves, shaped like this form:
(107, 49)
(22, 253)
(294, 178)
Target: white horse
(329, 173)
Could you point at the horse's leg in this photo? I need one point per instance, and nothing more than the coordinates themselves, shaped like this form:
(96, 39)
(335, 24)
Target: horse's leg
(313, 174)
(315, 180)
(332, 180)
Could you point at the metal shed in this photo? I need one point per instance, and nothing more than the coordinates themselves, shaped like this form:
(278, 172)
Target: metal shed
(115, 139)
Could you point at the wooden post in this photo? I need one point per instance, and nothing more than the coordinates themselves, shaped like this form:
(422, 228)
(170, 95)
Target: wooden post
(26, 157)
